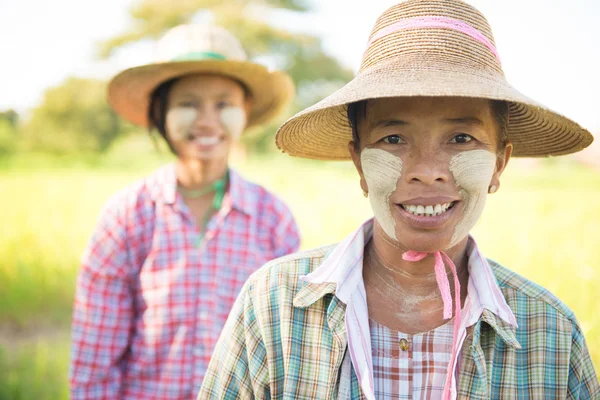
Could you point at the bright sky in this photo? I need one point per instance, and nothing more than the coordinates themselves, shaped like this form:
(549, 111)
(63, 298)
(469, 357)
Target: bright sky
(550, 49)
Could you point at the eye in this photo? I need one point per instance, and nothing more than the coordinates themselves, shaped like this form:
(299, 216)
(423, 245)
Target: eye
(392, 139)
(187, 104)
(223, 104)
(461, 138)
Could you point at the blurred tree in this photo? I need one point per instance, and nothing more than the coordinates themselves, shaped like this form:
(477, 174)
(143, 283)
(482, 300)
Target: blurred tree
(9, 133)
(73, 116)
(10, 116)
(315, 73)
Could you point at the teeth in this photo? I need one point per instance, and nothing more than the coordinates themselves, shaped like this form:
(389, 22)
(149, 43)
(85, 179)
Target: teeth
(428, 211)
(207, 140)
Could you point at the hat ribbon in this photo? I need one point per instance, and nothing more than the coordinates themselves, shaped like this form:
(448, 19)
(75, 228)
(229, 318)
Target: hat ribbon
(435, 22)
(200, 55)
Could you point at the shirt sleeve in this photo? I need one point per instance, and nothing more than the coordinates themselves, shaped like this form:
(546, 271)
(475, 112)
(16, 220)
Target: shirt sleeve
(238, 368)
(583, 381)
(287, 236)
(103, 312)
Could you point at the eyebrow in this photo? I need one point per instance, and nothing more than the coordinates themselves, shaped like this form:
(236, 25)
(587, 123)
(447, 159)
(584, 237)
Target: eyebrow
(388, 122)
(398, 122)
(465, 120)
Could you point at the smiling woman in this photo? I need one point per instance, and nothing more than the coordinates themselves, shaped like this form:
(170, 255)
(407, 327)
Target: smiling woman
(171, 252)
(430, 123)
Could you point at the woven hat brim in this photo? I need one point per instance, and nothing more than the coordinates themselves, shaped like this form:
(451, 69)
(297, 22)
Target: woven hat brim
(323, 130)
(129, 92)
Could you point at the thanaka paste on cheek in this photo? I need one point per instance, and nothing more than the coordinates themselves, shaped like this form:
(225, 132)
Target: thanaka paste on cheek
(234, 121)
(382, 171)
(179, 121)
(473, 171)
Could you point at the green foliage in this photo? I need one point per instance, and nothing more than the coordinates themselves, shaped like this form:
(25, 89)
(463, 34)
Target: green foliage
(8, 137)
(35, 367)
(11, 116)
(73, 117)
(315, 73)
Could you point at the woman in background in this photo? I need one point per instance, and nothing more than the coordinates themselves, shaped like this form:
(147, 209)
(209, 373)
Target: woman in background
(171, 252)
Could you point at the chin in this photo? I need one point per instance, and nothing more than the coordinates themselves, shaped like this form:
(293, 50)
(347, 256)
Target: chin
(426, 242)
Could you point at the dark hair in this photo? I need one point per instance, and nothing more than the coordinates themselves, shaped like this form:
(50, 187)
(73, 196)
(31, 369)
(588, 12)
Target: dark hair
(157, 110)
(499, 112)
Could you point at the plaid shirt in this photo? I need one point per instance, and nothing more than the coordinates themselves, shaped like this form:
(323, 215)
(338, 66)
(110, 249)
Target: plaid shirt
(417, 371)
(150, 301)
(286, 338)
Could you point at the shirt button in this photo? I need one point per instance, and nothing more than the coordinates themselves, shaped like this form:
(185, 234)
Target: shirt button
(403, 344)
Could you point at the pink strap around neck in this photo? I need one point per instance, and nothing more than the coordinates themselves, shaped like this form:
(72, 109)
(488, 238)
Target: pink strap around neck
(435, 22)
(444, 286)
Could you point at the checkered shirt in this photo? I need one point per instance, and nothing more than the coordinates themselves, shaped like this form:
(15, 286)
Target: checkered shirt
(416, 371)
(151, 299)
(286, 338)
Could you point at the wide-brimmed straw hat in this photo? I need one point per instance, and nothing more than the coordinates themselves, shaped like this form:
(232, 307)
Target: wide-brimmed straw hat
(430, 48)
(199, 49)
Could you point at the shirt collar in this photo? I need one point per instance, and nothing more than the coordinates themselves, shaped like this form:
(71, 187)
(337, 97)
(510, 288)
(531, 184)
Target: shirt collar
(163, 186)
(341, 273)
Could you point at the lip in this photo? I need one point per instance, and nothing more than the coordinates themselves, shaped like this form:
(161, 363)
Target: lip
(423, 222)
(428, 201)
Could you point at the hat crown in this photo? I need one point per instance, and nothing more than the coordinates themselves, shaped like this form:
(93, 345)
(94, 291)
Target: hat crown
(433, 32)
(185, 42)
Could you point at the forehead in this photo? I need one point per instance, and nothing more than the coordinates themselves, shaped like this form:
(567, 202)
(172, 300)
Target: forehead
(206, 85)
(428, 109)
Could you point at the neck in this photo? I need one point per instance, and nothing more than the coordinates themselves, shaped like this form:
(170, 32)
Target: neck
(196, 174)
(384, 261)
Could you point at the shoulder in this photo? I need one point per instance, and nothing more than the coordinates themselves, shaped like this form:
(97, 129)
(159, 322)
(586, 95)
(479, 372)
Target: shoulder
(137, 198)
(530, 300)
(279, 280)
(261, 199)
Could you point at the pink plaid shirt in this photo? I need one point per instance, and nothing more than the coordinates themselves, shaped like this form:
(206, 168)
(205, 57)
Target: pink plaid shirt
(151, 299)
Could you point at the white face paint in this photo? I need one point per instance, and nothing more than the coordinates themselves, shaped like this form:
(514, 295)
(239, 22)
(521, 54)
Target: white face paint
(382, 171)
(234, 121)
(473, 171)
(179, 121)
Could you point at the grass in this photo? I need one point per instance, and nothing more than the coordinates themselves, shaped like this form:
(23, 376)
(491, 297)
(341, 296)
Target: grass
(544, 223)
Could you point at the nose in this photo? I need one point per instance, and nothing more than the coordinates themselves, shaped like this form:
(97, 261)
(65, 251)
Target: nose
(426, 167)
(207, 118)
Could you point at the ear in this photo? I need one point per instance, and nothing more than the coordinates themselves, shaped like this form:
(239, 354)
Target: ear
(358, 165)
(501, 163)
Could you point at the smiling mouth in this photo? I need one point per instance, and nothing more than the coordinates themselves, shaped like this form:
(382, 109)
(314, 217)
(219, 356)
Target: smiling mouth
(428, 211)
(205, 140)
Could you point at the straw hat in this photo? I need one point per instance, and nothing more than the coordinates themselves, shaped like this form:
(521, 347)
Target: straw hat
(430, 48)
(192, 49)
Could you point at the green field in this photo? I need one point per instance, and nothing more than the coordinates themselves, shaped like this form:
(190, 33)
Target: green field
(544, 223)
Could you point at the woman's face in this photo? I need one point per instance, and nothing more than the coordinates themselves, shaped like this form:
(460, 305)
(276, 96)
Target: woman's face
(205, 115)
(427, 164)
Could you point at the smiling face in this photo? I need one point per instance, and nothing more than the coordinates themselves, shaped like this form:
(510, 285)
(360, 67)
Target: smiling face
(205, 115)
(427, 163)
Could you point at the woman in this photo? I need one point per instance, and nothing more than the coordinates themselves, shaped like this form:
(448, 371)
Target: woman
(430, 124)
(171, 252)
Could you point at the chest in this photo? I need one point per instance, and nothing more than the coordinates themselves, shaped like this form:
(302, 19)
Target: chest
(182, 267)
(201, 209)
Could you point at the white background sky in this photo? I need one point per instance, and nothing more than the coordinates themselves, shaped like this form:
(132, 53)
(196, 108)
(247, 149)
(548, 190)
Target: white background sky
(550, 49)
